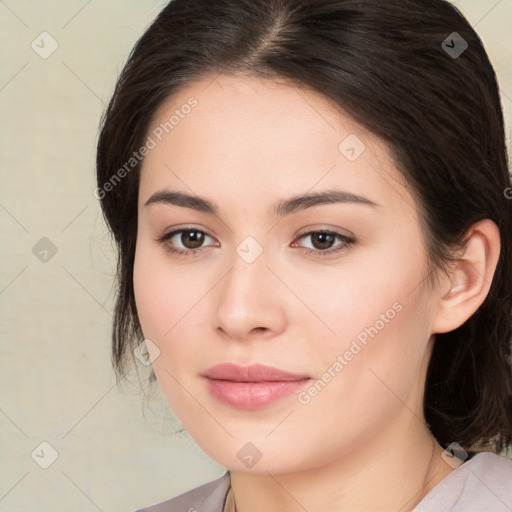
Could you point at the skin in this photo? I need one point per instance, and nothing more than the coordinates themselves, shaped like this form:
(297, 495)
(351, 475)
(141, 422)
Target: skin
(362, 442)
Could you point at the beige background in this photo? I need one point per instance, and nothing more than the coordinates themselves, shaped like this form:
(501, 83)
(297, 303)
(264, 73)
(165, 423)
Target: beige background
(116, 448)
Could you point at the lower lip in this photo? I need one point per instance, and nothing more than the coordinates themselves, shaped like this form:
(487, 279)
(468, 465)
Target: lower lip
(252, 395)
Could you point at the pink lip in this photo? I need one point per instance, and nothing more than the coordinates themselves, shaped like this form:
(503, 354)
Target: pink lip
(251, 387)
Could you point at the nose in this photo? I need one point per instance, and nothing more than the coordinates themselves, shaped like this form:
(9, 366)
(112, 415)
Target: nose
(249, 301)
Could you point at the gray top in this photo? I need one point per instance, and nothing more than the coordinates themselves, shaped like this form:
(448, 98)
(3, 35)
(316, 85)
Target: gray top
(482, 484)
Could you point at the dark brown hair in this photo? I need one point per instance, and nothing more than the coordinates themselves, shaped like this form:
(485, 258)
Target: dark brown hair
(396, 67)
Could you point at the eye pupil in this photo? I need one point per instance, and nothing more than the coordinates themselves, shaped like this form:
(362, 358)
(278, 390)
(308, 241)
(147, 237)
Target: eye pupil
(326, 240)
(192, 239)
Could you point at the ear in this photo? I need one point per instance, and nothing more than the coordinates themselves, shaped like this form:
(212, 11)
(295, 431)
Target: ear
(466, 286)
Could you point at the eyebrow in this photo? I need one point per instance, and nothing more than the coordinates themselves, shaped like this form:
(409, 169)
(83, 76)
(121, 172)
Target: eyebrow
(280, 209)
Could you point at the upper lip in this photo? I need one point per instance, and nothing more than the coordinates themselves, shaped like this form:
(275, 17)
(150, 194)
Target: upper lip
(252, 373)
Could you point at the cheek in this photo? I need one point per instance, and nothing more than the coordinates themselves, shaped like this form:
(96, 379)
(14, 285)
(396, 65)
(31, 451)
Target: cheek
(375, 329)
(171, 305)
(148, 295)
(161, 291)
(367, 372)
(162, 295)
(363, 298)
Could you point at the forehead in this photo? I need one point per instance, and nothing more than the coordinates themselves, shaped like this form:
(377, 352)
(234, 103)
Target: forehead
(267, 138)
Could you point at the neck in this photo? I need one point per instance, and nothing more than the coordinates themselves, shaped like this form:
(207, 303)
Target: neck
(383, 475)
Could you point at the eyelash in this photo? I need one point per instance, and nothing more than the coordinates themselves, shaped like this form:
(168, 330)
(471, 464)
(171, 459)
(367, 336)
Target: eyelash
(346, 242)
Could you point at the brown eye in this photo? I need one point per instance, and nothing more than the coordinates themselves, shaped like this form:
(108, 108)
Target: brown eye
(322, 241)
(185, 241)
(192, 239)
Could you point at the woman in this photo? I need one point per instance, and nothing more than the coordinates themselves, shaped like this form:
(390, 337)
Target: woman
(310, 200)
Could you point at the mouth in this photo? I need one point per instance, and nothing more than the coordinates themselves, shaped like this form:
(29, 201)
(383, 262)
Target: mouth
(251, 387)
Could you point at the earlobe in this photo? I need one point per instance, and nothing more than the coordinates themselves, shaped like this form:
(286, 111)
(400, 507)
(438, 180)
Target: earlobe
(466, 286)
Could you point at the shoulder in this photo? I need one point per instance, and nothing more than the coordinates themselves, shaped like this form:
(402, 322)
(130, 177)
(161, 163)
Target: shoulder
(484, 482)
(209, 497)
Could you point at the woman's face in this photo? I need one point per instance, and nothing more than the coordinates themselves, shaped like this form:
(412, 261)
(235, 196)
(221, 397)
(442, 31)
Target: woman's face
(348, 313)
